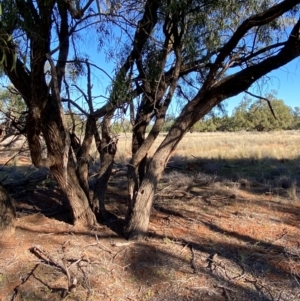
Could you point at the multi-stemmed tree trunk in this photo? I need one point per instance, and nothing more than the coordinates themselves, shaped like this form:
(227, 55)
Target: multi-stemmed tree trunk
(207, 98)
(45, 114)
(62, 165)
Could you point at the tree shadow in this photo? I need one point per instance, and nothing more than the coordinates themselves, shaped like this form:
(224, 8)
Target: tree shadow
(193, 267)
(173, 267)
(276, 183)
(163, 273)
(252, 174)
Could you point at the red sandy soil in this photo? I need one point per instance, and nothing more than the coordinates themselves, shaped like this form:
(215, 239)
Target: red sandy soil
(210, 242)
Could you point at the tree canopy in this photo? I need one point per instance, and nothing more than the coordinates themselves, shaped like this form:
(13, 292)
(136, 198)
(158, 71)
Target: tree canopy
(198, 52)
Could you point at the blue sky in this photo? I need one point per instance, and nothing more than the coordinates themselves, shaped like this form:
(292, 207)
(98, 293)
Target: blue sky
(285, 80)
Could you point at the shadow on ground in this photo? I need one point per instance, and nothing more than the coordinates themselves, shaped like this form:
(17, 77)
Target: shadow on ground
(267, 175)
(219, 230)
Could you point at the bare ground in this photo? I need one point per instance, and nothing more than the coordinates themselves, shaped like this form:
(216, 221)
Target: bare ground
(209, 239)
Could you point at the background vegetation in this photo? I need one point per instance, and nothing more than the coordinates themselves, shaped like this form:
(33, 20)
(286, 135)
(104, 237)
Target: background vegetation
(249, 115)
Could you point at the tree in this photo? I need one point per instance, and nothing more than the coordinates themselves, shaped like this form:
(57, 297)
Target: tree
(43, 99)
(261, 116)
(296, 118)
(202, 52)
(240, 116)
(168, 123)
(256, 55)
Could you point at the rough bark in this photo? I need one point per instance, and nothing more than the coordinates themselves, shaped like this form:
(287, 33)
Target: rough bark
(83, 155)
(54, 133)
(107, 147)
(7, 213)
(137, 164)
(45, 114)
(139, 215)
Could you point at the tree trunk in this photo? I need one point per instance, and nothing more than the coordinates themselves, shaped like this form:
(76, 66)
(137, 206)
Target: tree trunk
(7, 213)
(141, 145)
(136, 167)
(82, 213)
(139, 214)
(107, 147)
(83, 155)
(62, 165)
(138, 221)
(138, 164)
(98, 203)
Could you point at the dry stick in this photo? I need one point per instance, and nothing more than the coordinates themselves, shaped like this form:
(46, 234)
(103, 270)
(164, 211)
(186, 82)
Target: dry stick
(183, 248)
(87, 282)
(104, 248)
(116, 255)
(257, 284)
(193, 265)
(46, 257)
(213, 263)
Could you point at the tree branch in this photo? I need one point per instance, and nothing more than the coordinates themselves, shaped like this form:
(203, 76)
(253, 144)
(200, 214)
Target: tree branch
(256, 20)
(73, 103)
(263, 98)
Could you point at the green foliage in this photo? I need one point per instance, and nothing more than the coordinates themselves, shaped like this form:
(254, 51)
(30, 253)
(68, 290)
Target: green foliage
(8, 19)
(11, 104)
(75, 122)
(261, 116)
(170, 119)
(296, 118)
(240, 118)
(206, 125)
(253, 115)
(123, 126)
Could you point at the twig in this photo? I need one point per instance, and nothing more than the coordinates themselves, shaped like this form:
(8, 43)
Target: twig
(212, 261)
(10, 159)
(116, 255)
(97, 243)
(23, 281)
(47, 258)
(193, 265)
(183, 248)
(122, 244)
(267, 100)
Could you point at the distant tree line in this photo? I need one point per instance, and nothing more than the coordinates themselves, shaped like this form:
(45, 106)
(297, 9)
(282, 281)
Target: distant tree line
(249, 115)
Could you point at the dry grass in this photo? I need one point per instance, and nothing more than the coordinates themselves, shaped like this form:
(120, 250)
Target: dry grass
(268, 159)
(240, 145)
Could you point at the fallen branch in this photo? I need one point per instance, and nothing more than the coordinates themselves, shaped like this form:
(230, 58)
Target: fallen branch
(48, 259)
